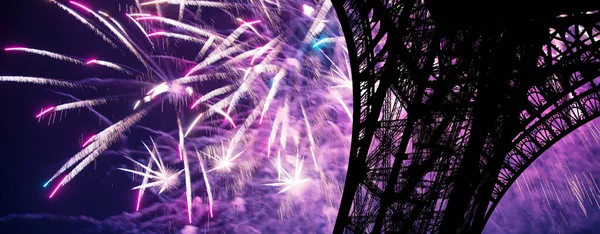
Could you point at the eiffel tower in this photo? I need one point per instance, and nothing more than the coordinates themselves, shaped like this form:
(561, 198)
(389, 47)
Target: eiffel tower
(453, 100)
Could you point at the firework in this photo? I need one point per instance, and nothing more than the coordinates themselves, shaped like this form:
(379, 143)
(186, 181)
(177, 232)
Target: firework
(275, 82)
(559, 189)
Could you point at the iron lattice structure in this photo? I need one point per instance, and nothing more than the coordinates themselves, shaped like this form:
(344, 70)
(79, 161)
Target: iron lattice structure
(449, 112)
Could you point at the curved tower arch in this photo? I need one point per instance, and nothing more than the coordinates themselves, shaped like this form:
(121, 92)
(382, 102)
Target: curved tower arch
(449, 112)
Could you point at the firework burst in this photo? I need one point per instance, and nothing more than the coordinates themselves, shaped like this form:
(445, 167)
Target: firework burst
(272, 77)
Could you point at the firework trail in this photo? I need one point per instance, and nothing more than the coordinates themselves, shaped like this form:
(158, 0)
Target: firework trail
(275, 82)
(73, 105)
(164, 178)
(109, 65)
(559, 189)
(208, 190)
(46, 53)
(38, 80)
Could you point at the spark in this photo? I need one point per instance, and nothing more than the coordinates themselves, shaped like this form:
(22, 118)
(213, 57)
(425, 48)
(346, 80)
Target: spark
(272, 92)
(249, 24)
(44, 112)
(224, 159)
(57, 187)
(161, 88)
(137, 103)
(219, 111)
(82, 6)
(307, 10)
(196, 103)
(322, 41)
(38, 80)
(141, 190)
(130, 16)
(186, 168)
(292, 182)
(178, 36)
(92, 138)
(73, 105)
(193, 124)
(189, 2)
(139, 14)
(119, 35)
(153, 2)
(109, 65)
(163, 178)
(177, 24)
(86, 23)
(207, 184)
(346, 109)
(45, 53)
(311, 139)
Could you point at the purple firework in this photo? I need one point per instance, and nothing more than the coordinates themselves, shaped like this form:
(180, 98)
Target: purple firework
(255, 97)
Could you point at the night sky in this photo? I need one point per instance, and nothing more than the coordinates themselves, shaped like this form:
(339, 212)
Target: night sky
(31, 151)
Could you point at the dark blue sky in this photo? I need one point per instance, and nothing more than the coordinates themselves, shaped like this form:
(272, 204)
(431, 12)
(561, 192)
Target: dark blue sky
(31, 151)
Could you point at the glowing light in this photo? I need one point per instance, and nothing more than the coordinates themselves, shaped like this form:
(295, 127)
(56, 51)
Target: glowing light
(249, 24)
(207, 184)
(223, 158)
(156, 33)
(81, 6)
(161, 88)
(294, 182)
(346, 109)
(88, 141)
(44, 112)
(57, 187)
(196, 103)
(307, 10)
(14, 48)
(193, 124)
(189, 90)
(321, 42)
(139, 14)
(153, 2)
(137, 103)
